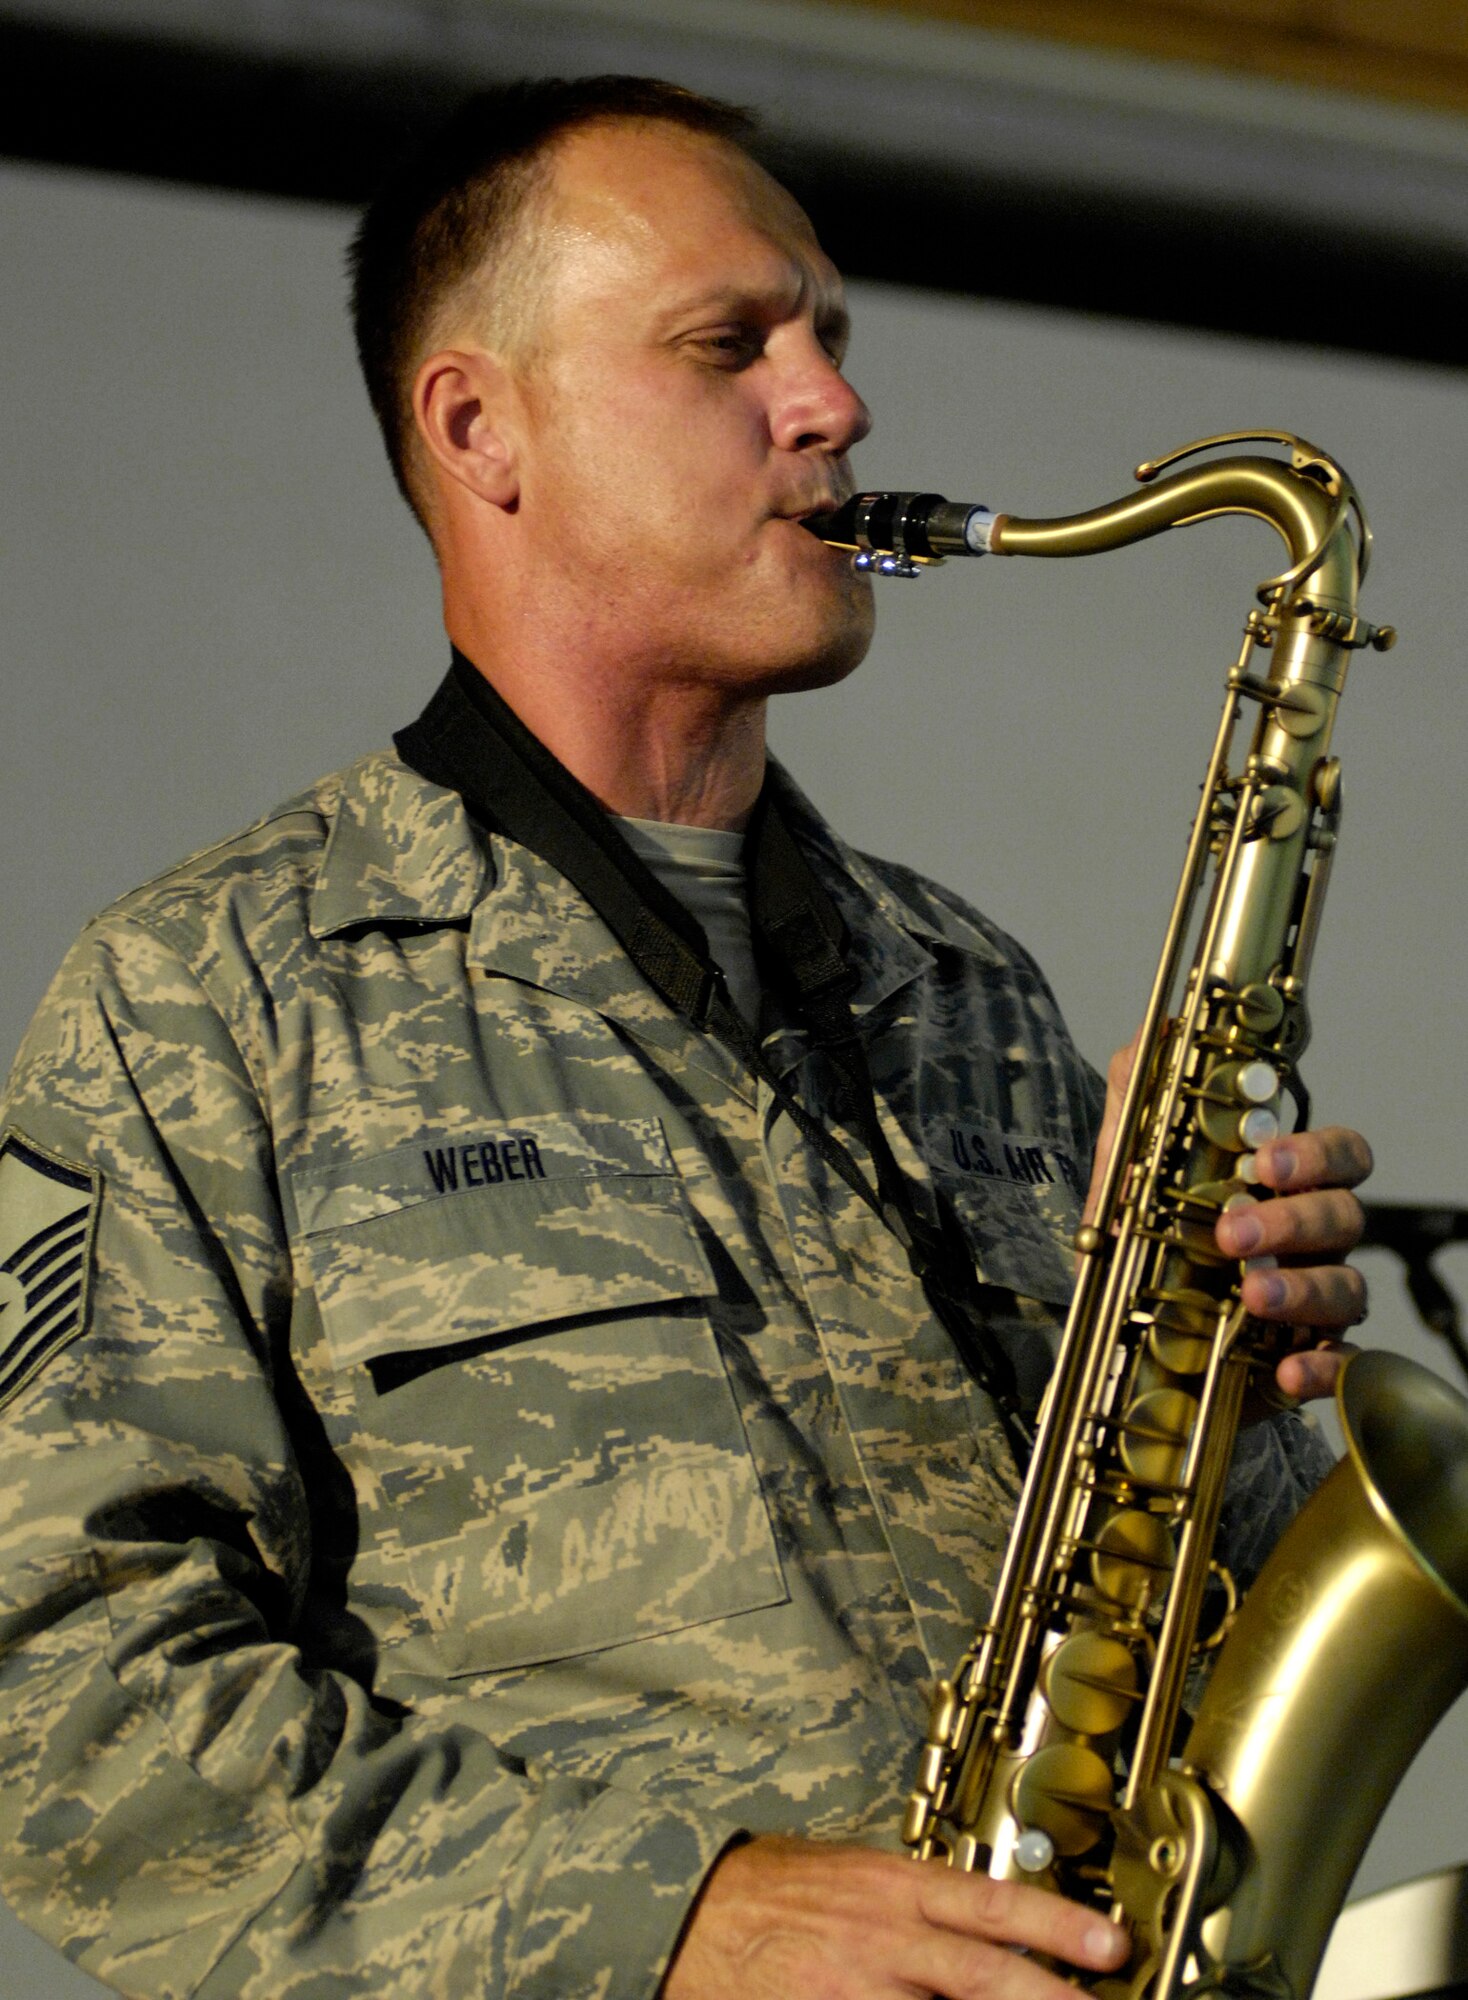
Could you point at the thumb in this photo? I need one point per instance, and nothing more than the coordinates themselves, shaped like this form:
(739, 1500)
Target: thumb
(1118, 1076)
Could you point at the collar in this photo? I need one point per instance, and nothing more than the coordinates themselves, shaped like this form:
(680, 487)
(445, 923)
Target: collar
(398, 850)
(403, 850)
(888, 940)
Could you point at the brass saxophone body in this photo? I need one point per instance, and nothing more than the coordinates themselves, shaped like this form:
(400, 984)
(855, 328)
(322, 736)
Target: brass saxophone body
(1052, 1753)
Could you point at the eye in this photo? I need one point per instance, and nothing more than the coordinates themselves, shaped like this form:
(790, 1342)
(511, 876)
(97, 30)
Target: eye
(835, 337)
(731, 346)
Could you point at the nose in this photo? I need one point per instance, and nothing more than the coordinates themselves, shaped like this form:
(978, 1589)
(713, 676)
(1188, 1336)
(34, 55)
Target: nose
(818, 409)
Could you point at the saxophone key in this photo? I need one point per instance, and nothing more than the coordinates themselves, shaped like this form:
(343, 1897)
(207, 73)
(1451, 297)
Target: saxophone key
(1195, 1240)
(1259, 1007)
(1034, 1851)
(1065, 1791)
(1132, 1557)
(1184, 1326)
(1155, 1435)
(944, 1715)
(916, 1821)
(931, 1767)
(1299, 709)
(1277, 813)
(1090, 1683)
(1212, 1196)
(1237, 1105)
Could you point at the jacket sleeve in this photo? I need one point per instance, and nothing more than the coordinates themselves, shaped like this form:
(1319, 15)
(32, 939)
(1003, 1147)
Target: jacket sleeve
(1278, 1463)
(199, 1794)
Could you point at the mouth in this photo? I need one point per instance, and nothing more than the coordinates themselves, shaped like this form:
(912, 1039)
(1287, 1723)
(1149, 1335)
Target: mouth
(824, 524)
(814, 516)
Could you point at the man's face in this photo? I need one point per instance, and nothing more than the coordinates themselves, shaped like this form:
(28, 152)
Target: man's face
(684, 408)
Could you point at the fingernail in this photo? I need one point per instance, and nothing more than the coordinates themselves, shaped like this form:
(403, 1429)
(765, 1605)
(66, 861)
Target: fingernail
(1244, 1233)
(1274, 1293)
(1104, 1943)
(1282, 1164)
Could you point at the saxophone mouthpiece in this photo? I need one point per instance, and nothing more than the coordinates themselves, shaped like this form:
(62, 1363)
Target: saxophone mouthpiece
(894, 534)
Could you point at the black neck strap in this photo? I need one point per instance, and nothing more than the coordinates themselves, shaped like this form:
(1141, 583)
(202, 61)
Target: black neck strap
(470, 741)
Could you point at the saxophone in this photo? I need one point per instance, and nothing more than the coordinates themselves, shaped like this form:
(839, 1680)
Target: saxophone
(1055, 1752)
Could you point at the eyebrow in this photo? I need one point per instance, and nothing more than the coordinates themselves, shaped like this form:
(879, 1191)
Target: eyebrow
(831, 317)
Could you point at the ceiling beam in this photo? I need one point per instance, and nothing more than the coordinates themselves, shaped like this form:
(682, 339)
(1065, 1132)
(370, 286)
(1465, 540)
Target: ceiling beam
(1414, 51)
(928, 154)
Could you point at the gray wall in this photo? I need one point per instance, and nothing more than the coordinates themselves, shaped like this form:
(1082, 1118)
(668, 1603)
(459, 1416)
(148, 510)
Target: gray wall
(211, 594)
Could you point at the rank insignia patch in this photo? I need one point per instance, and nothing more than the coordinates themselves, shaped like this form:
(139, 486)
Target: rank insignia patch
(48, 1210)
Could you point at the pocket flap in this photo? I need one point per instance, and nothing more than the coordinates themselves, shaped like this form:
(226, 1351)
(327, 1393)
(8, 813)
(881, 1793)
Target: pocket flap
(495, 1154)
(465, 1235)
(1019, 1200)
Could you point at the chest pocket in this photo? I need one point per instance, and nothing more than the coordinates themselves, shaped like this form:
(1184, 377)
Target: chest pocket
(1019, 1201)
(546, 1424)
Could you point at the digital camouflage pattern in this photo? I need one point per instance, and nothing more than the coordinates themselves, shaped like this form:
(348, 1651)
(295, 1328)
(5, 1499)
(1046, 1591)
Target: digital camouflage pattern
(499, 1463)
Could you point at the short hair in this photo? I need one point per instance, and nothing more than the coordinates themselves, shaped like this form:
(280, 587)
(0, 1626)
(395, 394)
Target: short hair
(455, 208)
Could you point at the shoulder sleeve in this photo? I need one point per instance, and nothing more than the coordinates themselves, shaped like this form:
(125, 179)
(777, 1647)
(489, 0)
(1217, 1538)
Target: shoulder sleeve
(198, 1793)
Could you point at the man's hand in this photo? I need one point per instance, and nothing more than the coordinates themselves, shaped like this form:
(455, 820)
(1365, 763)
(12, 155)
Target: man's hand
(1309, 1227)
(1295, 1242)
(782, 1919)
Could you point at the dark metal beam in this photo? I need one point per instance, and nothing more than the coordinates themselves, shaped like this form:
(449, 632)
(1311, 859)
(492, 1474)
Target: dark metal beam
(1112, 189)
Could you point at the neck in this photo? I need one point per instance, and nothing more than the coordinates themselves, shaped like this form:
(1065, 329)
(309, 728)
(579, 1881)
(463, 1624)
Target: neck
(647, 745)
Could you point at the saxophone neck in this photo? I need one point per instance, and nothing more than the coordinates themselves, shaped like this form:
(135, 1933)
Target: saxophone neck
(1309, 501)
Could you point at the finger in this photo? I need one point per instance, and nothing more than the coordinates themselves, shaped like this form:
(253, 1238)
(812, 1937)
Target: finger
(1335, 1156)
(1324, 1223)
(1013, 1913)
(1313, 1372)
(1322, 1295)
(951, 1967)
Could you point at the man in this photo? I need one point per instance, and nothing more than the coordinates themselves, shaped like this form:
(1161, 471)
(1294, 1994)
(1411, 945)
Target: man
(488, 1490)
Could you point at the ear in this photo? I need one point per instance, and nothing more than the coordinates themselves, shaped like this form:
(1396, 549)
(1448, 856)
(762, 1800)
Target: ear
(463, 404)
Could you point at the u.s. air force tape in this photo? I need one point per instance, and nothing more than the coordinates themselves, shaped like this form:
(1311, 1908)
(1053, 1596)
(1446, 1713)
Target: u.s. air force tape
(48, 1212)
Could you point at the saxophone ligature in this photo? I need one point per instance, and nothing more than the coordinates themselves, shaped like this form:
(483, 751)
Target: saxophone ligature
(1053, 1752)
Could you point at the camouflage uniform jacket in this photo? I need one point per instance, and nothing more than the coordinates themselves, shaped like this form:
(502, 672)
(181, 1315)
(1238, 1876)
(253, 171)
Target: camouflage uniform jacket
(466, 1458)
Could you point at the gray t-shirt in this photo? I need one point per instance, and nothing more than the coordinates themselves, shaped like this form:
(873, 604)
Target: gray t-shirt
(703, 866)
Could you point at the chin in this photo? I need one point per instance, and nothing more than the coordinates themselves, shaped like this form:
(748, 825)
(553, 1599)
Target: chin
(840, 648)
(821, 670)
(819, 643)
(785, 640)
(797, 672)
